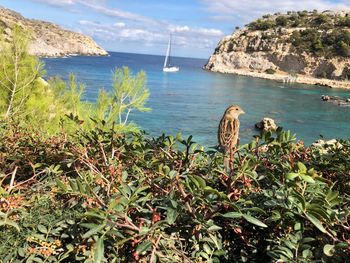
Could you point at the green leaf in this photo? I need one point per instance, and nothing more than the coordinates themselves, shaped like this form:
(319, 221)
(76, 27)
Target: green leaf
(220, 253)
(297, 226)
(99, 250)
(172, 174)
(302, 168)
(144, 246)
(316, 222)
(94, 231)
(300, 198)
(201, 181)
(233, 215)
(307, 240)
(81, 187)
(207, 249)
(214, 228)
(342, 245)
(171, 215)
(291, 176)
(204, 255)
(61, 185)
(9, 223)
(216, 241)
(21, 252)
(328, 250)
(42, 229)
(307, 178)
(73, 184)
(253, 220)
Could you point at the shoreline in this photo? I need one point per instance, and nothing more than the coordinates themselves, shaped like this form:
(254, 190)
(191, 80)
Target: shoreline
(285, 78)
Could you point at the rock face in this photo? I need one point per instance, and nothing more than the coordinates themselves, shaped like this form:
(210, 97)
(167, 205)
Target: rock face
(266, 124)
(47, 39)
(270, 54)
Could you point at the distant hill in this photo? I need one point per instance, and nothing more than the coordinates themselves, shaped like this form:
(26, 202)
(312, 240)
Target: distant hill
(306, 47)
(49, 40)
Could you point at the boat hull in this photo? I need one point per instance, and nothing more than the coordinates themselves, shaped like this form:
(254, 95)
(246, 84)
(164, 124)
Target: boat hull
(171, 69)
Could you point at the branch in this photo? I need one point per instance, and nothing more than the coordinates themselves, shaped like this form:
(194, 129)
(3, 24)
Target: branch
(154, 249)
(13, 179)
(127, 116)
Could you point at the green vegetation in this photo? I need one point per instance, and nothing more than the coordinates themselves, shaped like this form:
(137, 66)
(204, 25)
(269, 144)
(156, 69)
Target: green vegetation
(94, 190)
(334, 43)
(270, 71)
(104, 196)
(325, 34)
(18, 76)
(25, 96)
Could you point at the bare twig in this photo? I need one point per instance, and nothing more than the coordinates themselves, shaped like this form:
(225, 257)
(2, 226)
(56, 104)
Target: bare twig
(154, 249)
(103, 154)
(13, 179)
(185, 198)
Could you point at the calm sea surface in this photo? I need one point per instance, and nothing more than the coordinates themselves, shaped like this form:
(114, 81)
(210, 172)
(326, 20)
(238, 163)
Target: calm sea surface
(192, 100)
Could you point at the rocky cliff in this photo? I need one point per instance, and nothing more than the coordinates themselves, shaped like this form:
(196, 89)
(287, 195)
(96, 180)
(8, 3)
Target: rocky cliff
(47, 39)
(305, 47)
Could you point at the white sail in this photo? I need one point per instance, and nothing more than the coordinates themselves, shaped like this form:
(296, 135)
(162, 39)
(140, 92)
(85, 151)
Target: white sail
(167, 65)
(167, 53)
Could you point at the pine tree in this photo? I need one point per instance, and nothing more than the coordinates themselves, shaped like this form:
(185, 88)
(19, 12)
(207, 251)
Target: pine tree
(19, 74)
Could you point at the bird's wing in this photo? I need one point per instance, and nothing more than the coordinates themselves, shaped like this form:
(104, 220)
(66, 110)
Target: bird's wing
(228, 132)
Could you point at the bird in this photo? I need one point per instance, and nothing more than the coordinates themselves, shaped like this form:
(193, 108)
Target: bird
(228, 133)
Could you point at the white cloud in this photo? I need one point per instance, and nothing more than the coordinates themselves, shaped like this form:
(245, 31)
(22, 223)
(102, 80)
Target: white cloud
(183, 36)
(114, 12)
(119, 24)
(251, 9)
(68, 2)
(138, 28)
(56, 2)
(179, 29)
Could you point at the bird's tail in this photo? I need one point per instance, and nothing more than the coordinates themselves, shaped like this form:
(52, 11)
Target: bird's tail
(228, 159)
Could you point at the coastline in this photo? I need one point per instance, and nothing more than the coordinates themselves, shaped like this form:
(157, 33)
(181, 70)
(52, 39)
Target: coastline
(285, 78)
(67, 55)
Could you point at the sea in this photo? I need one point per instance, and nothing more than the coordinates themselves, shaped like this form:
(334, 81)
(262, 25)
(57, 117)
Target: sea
(192, 101)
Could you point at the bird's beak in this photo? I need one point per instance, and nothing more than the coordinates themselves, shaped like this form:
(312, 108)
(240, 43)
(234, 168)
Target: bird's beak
(242, 112)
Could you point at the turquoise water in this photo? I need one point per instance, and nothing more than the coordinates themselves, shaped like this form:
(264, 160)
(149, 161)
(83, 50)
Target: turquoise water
(193, 100)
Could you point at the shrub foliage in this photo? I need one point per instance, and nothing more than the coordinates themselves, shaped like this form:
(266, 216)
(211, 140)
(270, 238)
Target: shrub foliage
(108, 197)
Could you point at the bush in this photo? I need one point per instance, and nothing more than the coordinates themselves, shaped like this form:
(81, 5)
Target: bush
(124, 198)
(344, 22)
(270, 71)
(262, 24)
(321, 19)
(282, 21)
(346, 74)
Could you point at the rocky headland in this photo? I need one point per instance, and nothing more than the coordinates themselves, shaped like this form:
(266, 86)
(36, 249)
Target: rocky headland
(47, 39)
(302, 47)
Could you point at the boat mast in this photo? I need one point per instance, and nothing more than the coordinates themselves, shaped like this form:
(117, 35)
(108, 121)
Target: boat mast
(169, 63)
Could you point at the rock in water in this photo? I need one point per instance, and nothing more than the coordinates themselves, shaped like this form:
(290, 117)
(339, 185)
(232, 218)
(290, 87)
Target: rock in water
(47, 39)
(325, 147)
(266, 124)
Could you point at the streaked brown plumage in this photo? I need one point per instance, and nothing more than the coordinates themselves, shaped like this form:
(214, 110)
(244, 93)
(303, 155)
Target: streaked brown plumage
(228, 132)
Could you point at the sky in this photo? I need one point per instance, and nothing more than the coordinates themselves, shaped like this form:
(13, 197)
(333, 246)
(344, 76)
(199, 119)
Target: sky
(143, 26)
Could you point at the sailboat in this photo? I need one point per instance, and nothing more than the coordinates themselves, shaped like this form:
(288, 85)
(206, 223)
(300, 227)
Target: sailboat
(167, 66)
